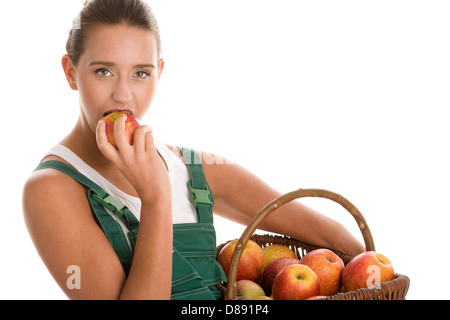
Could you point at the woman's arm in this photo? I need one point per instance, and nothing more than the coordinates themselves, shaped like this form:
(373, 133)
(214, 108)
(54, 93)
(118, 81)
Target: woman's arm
(61, 224)
(150, 275)
(64, 231)
(59, 220)
(239, 195)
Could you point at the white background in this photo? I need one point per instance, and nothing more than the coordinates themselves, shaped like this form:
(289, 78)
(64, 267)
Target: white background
(349, 96)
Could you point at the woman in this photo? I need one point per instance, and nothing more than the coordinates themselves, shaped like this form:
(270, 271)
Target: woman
(114, 62)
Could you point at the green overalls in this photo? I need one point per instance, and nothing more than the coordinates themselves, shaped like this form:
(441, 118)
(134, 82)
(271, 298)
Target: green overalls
(195, 271)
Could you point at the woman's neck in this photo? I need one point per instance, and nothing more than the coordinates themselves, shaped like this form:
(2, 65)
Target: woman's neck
(82, 141)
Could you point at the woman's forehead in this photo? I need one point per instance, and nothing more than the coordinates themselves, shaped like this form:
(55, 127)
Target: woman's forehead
(120, 43)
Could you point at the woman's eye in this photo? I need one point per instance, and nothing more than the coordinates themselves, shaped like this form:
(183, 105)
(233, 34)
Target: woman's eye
(142, 74)
(103, 72)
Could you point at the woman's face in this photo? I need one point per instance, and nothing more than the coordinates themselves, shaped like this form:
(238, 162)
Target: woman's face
(117, 71)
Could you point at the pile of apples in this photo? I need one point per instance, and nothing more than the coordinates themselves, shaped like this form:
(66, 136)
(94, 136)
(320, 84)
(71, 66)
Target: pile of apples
(276, 273)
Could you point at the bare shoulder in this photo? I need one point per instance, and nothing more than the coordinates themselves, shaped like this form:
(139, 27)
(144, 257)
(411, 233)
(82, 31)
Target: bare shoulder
(63, 229)
(53, 202)
(48, 185)
(47, 188)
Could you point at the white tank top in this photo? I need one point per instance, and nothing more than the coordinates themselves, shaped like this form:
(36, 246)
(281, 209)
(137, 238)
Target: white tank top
(182, 209)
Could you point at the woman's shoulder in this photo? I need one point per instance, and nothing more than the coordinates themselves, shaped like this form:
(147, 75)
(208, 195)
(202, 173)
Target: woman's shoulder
(61, 225)
(48, 188)
(48, 179)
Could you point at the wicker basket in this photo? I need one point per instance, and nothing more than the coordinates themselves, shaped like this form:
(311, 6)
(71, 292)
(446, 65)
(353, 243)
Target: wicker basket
(395, 289)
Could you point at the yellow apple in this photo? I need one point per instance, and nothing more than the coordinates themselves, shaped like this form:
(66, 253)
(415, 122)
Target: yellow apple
(262, 298)
(276, 251)
(248, 289)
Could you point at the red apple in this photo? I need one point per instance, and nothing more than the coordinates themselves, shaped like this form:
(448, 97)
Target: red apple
(276, 251)
(248, 289)
(271, 271)
(131, 124)
(328, 267)
(367, 269)
(317, 298)
(252, 262)
(295, 282)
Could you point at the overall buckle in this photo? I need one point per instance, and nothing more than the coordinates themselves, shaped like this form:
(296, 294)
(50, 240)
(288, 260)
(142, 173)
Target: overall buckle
(200, 196)
(110, 203)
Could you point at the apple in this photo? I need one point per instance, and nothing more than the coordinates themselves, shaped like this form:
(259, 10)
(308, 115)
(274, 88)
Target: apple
(328, 267)
(366, 270)
(262, 298)
(252, 262)
(276, 251)
(248, 289)
(271, 271)
(317, 298)
(295, 282)
(131, 124)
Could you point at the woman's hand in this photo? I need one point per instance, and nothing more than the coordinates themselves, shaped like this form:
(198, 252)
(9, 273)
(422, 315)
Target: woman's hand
(140, 163)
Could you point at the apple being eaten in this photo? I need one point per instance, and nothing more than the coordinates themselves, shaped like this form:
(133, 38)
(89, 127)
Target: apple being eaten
(366, 270)
(131, 124)
(328, 267)
(251, 264)
(295, 282)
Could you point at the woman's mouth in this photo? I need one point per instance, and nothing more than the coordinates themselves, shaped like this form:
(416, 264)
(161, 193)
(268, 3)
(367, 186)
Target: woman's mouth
(118, 110)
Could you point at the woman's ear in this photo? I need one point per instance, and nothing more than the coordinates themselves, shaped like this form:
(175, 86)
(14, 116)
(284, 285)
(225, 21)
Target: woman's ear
(160, 67)
(69, 71)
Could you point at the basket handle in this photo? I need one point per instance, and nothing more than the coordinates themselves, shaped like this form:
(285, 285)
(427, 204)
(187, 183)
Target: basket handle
(275, 204)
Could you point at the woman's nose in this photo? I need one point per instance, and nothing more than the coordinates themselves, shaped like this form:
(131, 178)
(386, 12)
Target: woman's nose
(122, 91)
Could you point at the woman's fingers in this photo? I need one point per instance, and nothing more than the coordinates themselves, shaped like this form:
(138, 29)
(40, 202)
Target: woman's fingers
(139, 136)
(120, 137)
(149, 141)
(106, 148)
(140, 163)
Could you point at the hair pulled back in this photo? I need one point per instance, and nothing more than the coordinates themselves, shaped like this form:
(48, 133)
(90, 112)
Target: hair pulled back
(135, 13)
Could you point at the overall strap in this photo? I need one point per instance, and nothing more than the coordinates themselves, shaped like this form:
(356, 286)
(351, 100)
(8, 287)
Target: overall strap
(189, 282)
(198, 187)
(100, 200)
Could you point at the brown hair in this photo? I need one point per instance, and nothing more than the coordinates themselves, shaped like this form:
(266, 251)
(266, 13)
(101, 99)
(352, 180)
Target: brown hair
(135, 13)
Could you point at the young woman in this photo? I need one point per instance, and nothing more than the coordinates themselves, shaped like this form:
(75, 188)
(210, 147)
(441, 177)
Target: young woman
(114, 62)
